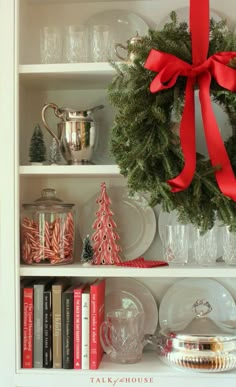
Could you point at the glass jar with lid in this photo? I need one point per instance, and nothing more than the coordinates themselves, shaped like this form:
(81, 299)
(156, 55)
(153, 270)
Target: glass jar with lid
(47, 230)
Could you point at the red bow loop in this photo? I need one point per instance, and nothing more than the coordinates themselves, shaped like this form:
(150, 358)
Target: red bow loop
(220, 70)
(168, 67)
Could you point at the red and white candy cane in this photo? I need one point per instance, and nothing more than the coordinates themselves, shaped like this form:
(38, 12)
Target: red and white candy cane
(56, 237)
(69, 224)
(55, 244)
(47, 239)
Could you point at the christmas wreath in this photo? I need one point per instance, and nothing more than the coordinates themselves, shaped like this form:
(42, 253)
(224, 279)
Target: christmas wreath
(154, 157)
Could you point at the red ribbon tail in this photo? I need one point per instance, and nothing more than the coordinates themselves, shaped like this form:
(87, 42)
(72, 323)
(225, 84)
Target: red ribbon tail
(216, 149)
(187, 140)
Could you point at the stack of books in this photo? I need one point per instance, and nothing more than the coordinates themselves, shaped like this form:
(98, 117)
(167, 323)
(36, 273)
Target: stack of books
(60, 325)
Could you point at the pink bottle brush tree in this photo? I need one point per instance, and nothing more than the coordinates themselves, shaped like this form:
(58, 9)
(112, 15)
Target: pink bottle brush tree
(106, 250)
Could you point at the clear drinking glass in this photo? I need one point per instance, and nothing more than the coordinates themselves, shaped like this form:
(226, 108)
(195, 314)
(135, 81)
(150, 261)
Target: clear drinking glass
(76, 44)
(229, 246)
(176, 244)
(50, 45)
(205, 246)
(101, 43)
(122, 335)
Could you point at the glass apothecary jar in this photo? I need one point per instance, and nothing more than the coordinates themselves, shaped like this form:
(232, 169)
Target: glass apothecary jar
(47, 230)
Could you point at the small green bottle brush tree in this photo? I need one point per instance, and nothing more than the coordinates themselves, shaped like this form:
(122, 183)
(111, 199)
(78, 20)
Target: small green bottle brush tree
(87, 252)
(54, 152)
(37, 150)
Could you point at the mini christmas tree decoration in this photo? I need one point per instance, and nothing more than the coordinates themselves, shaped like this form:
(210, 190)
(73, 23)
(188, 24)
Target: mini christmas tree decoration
(54, 152)
(87, 252)
(106, 250)
(37, 151)
(169, 65)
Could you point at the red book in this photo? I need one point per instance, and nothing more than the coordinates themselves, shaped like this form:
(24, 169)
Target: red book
(28, 313)
(77, 325)
(97, 299)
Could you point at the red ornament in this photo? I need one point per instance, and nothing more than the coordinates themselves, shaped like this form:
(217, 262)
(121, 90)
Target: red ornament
(201, 71)
(106, 250)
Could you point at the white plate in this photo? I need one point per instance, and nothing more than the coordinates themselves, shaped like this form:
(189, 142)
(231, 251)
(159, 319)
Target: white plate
(139, 291)
(120, 299)
(176, 305)
(135, 220)
(123, 25)
(183, 16)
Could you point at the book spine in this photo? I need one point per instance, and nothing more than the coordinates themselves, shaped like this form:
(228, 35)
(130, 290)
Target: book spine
(93, 328)
(85, 331)
(47, 329)
(77, 328)
(38, 325)
(22, 319)
(28, 306)
(56, 326)
(67, 330)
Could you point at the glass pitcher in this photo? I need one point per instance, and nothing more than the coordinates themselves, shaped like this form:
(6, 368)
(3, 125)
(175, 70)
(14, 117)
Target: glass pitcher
(122, 335)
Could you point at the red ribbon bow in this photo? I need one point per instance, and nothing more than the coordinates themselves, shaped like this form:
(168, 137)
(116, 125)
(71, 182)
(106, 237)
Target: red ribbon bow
(169, 68)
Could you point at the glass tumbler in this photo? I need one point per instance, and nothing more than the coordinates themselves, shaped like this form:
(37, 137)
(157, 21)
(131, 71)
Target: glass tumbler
(76, 44)
(229, 246)
(176, 244)
(50, 45)
(47, 230)
(101, 43)
(205, 246)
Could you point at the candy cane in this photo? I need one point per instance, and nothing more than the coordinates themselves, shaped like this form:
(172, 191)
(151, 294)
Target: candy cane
(46, 234)
(56, 244)
(56, 237)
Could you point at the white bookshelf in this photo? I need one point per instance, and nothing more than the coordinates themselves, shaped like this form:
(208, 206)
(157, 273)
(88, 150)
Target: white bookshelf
(25, 86)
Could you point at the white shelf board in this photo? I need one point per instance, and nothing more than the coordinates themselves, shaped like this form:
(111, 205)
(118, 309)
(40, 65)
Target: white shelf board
(69, 170)
(66, 75)
(150, 371)
(78, 270)
(79, 1)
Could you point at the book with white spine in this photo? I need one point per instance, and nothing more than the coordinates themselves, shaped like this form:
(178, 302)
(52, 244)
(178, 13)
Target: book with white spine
(85, 320)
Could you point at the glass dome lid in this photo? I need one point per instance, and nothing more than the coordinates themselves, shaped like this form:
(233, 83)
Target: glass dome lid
(48, 199)
(202, 328)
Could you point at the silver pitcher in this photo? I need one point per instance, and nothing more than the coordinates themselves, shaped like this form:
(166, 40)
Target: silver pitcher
(75, 133)
(130, 48)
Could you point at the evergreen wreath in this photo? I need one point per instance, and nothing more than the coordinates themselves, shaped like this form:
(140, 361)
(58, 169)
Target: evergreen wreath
(147, 151)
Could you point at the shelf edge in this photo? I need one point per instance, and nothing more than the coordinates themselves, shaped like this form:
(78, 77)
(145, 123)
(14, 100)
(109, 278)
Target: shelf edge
(70, 170)
(76, 270)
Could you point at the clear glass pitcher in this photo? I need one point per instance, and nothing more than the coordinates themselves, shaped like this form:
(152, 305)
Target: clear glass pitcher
(122, 335)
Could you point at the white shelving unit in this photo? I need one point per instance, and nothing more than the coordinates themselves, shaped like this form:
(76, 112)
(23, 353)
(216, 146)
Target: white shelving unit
(25, 86)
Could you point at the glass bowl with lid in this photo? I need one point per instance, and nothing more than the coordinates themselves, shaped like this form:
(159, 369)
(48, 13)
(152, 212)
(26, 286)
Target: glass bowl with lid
(204, 345)
(47, 230)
